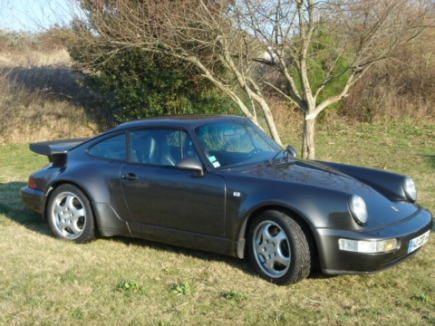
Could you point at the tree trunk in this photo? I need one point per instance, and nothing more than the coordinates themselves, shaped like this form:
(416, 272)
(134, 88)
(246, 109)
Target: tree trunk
(308, 150)
(270, 121)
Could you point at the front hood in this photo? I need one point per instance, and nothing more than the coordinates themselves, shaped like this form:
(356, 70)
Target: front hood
(381, 210)
(310, 173)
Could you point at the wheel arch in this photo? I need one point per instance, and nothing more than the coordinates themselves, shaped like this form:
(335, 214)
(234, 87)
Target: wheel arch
(59, 183)
(107, 222)
(295, 215)
(80, 234)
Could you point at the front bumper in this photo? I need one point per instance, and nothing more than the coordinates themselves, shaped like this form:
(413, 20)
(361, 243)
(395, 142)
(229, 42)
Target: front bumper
(33, 199)
(334, 261)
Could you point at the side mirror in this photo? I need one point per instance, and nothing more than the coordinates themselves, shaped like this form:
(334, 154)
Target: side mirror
(191, 164)
(291, 150)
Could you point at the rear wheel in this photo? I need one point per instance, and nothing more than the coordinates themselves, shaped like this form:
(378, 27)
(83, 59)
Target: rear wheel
(278, 248)
(70, 215)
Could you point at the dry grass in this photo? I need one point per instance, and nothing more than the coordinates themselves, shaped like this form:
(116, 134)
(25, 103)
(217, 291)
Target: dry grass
(34, 112)
(121, 281)
(29, 59)
(41, 97)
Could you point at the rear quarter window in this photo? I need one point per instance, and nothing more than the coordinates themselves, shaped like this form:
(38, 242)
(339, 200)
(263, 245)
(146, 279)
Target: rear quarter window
(111, 148)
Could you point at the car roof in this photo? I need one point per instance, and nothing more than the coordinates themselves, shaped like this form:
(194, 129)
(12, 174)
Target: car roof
(184, 121)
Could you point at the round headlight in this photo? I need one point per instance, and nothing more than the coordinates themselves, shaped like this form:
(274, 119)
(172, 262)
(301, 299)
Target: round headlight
(409, 189)
(358, 209)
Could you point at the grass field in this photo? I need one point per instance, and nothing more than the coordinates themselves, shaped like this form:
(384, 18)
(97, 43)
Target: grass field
(119, 281)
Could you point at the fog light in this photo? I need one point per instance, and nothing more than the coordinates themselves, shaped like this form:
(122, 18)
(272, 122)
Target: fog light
(368, 247)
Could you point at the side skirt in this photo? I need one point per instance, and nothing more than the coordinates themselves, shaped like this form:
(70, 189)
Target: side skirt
(187, 239)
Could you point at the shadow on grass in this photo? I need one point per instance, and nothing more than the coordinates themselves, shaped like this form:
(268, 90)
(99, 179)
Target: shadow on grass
(12, 207)
(61, 83)
(242, 264)
(431, 159)
(17, 212)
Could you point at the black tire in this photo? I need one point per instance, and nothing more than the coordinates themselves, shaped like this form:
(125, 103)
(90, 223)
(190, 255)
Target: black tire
(279, 248)
(69, 215)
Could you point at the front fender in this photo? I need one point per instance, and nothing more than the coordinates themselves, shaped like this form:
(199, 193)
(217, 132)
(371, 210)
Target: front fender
(318, 207)
(387, 183)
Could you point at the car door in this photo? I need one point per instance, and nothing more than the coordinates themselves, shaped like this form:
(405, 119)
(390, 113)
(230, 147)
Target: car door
(159, 194)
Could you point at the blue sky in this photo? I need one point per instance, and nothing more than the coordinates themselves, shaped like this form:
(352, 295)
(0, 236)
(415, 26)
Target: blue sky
(32, 15)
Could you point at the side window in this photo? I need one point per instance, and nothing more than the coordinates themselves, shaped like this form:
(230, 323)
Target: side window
(111, 148)
(158, 146)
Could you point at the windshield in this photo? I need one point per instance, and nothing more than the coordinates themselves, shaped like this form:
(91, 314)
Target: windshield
(229, 144)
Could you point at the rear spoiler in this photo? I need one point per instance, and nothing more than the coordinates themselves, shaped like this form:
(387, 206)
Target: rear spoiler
(55, 147)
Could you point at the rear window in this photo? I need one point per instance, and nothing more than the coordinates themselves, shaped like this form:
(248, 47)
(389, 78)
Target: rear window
(112, 148)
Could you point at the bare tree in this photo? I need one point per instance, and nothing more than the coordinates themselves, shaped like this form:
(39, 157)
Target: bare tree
(197, 32)
(316, 44)
(321, 48)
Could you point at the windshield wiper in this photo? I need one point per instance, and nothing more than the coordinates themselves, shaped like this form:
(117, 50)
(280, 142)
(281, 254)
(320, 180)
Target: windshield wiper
(281, 151)
(289, 151)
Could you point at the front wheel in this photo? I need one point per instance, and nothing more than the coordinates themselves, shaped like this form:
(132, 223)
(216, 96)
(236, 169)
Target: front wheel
(70, 215)
(278, 248)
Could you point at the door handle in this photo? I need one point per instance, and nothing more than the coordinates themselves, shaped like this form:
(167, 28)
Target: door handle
(129, 176)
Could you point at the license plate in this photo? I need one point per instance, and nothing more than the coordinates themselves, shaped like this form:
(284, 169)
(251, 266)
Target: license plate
(416, 243)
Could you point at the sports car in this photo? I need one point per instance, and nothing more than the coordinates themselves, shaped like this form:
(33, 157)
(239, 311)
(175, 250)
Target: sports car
(220, 184)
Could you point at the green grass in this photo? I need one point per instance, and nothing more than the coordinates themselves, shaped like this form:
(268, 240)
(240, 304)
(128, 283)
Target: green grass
(119, 281)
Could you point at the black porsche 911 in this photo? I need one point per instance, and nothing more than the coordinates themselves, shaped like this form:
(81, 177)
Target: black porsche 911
(220, 184)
